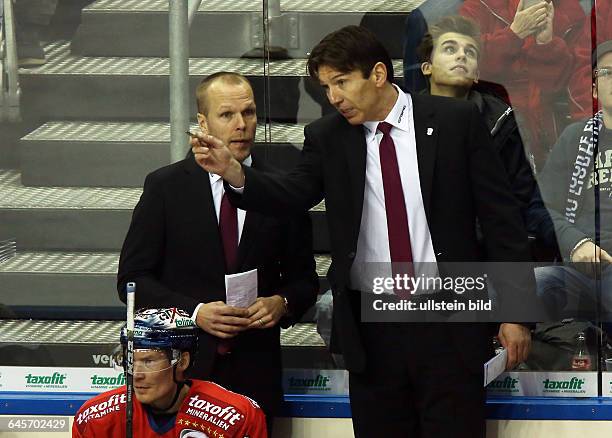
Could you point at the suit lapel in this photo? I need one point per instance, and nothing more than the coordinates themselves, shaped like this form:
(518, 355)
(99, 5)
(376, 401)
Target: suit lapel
(355, 149)
(203, 209)
(426, 135)
(247, 239)
(250, 228)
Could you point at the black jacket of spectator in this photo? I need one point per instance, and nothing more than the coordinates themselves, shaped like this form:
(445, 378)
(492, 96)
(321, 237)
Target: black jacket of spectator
(499, 119)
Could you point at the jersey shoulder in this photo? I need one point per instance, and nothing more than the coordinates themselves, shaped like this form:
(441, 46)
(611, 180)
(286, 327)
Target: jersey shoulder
(101, 408)
(210, 407)
(216, 390)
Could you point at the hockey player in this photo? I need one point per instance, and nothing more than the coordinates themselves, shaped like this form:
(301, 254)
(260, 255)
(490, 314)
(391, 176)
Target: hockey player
(165, 404)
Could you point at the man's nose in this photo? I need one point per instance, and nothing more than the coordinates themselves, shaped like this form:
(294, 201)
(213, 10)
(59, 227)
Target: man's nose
(240, 124)
(333, 97)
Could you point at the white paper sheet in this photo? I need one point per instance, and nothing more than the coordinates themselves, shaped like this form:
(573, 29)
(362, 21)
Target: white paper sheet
(241, 288)
(495, 366)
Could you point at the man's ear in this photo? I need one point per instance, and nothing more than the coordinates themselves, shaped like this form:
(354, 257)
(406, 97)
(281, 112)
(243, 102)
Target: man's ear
(379, 73)
(426, 68)
(183, 363)
(595, 90)
(477, 76)
(203, 122)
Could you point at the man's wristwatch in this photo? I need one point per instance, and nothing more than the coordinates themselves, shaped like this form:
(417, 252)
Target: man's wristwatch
(286, 305)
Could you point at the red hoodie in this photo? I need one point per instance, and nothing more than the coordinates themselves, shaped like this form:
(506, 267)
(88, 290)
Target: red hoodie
(532, 73)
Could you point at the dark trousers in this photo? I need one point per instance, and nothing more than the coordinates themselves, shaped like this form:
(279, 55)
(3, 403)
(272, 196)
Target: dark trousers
(242, 373)
(415, 385)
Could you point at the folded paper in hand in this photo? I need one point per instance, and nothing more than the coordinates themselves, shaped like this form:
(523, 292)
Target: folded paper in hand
(241, 288)
(495, 366)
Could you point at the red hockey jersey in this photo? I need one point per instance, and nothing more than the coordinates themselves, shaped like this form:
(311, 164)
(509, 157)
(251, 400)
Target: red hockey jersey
(208, 411)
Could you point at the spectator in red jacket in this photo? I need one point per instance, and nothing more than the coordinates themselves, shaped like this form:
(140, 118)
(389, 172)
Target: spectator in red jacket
(525, 49)
(595, 31)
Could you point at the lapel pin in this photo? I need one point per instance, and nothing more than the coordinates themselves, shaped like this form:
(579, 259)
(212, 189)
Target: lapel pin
(429, 131)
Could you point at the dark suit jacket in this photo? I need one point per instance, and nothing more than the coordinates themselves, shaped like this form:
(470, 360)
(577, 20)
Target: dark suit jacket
(461, 178)
(173, 252)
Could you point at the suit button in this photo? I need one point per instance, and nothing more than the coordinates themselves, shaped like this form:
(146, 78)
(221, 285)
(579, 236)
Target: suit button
(351, 255)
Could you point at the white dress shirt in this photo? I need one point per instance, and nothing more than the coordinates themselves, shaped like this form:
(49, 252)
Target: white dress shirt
(216, 185)
(373, 256)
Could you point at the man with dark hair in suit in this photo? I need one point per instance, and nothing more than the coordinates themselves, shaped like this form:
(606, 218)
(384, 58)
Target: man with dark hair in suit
(404, 178)
(185, 236)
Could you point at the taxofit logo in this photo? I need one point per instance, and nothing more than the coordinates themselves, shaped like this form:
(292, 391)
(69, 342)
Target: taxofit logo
(509, 383)
(117, 380)
(222, 417)
(55, 379)
(573, 385)
(112, 404)
(320, 382)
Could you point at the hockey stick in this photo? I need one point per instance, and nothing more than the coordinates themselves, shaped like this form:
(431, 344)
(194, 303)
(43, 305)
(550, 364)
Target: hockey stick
(129, 378)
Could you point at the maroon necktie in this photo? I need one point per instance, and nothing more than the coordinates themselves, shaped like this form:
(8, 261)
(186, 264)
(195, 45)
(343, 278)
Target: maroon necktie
(395, 206)
(228, 228)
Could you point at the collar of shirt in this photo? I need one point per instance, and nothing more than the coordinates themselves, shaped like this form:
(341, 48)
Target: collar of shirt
(397, 117)
(214, 177)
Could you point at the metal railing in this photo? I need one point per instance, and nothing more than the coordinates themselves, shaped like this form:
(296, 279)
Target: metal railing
(9, 75)
(181, 13)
